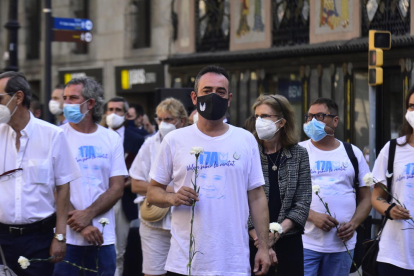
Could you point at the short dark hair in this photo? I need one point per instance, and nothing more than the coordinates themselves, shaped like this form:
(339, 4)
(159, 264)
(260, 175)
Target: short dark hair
(138, 109)
(118, 99)
(17, 82)
(329, 103)
(60, 86)
(211, 69)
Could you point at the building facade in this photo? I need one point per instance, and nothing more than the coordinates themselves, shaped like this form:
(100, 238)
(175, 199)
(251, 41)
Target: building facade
(302, 49)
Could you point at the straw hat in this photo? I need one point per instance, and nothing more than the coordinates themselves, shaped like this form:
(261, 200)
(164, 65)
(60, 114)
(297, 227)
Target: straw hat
(152, 213)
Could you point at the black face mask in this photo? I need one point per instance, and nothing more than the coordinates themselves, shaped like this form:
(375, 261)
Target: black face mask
(212, 106)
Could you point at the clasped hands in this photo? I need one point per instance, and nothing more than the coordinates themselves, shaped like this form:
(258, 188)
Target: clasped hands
(80, 221)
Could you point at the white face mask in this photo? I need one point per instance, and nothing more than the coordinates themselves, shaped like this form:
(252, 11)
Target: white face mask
(114, 120)
(54, 107)
(5, 115)
(266, 129)
(166, 128)
(410, 118)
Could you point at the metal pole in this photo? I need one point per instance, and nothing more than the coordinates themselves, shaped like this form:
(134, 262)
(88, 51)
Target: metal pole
(372, 141)
(47, 73)
(12, 26)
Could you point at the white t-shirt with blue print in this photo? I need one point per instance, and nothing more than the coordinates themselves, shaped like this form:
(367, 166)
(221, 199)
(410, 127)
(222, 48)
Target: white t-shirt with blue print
(229, 167)
(396, 245)
(334, 173)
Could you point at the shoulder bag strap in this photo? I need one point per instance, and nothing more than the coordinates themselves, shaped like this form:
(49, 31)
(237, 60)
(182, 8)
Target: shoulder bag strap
(390, 168)
(354, 161)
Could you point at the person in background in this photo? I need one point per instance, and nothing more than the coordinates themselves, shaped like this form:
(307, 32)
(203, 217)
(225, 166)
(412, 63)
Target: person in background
(366, 154)
(332, 170)
(35, 161)
(100, 156)
(156, 236)
(193, 118)
(139, 121)
(56, 104)
(36, 107)
(288, 186)
(125, 209)
(396, 246)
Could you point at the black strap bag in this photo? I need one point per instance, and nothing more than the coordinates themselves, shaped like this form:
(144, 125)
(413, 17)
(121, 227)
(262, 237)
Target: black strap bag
(369, 262)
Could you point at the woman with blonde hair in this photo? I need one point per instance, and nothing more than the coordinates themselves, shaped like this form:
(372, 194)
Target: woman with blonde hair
(155, 222)
(286, 170)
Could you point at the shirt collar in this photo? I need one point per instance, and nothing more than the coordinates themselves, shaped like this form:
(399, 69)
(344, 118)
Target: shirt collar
(28, 130)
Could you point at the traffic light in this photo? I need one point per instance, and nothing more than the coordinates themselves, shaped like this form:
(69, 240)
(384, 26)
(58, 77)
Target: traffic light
(378, 41)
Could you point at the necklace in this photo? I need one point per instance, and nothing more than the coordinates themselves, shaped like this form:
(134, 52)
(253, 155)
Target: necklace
(274, 167)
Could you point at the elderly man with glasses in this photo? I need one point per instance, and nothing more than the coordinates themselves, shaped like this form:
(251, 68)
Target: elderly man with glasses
(35, 161)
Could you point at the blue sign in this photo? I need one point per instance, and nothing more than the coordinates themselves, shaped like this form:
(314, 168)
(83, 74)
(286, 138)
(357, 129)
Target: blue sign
(72, 24)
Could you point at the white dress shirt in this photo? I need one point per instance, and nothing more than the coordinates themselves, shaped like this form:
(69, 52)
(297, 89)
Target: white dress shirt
(47, 162)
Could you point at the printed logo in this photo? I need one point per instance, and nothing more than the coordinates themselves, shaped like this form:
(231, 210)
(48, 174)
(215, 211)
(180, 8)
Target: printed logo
(203, 107)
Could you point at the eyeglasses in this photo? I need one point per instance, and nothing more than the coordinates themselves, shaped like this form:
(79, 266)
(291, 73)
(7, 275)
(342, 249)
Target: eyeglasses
(166, 119)
(11, 174)
(264, 116)
(319, 116)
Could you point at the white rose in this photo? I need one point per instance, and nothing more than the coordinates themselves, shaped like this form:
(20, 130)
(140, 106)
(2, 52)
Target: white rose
(196, 150)
(24, 262)
(104, 221)
(316, 189)
(368, 179)
(275, 227)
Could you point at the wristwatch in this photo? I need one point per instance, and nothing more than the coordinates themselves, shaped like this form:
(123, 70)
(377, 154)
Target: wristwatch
(60, 237)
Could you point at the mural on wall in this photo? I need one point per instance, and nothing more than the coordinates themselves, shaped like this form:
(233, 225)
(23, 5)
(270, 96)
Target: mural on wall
(335, 13)
(334, 20)
(250, 23)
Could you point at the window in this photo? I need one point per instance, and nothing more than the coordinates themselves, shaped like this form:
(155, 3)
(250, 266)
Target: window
(140, 24)
(80, 10)
(33, 30)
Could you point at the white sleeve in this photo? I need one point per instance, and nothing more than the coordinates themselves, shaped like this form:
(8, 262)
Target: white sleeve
(161, 170)
(141, 166)
(65, 167)
(362, 164)
(381, 165)
(118, 159)
(256, 178)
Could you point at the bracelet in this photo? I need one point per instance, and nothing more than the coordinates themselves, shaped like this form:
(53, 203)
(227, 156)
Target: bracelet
(387, 212)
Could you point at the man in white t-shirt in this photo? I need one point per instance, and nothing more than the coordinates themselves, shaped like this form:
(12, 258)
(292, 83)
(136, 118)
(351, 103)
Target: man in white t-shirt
(100, 156)
(332, 170)
(230, 177)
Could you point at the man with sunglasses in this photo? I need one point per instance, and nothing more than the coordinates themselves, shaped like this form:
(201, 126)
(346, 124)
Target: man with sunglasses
(35, 161)
(333, 171)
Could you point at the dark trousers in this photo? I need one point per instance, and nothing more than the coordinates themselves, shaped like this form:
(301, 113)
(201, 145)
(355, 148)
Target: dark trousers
(385, 269)
(289, 253)
(31, 246)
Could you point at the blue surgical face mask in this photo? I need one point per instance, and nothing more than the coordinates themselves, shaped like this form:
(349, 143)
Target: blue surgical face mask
(73, 113)
(315, 130)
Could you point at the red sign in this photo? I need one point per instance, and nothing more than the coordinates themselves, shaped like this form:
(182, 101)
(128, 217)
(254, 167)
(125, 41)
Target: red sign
(72, 36)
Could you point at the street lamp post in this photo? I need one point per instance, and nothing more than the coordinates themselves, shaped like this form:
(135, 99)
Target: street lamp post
(12, 26)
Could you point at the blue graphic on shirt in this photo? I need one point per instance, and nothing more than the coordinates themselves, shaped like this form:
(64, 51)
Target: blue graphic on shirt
(90, 172)
(212, 159)
(212, 185)
(322, 166)
(408, 173)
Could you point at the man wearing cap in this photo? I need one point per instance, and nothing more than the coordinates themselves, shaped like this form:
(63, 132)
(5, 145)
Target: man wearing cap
(35, 161)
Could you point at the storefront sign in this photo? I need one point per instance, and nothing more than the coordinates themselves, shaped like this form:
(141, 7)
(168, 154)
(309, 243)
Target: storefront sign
(145, 78)
(66, 75)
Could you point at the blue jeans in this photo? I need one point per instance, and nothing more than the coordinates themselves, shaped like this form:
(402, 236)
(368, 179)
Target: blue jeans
(327, 264)
(86, 256)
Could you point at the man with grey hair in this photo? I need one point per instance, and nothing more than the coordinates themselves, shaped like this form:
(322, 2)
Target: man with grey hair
(100, 156)
(125, 209)
(35, 161)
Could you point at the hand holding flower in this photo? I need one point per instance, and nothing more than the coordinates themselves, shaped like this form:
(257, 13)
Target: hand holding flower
(323, 221)
(184, 196)
(346, 231)
(398, 212)
(57, 249)
(272, 256)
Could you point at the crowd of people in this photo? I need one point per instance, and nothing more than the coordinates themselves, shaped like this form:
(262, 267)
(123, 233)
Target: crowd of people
(69, 192)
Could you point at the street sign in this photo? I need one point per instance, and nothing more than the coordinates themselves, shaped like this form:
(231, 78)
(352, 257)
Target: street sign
(72, 36)
(72, 24)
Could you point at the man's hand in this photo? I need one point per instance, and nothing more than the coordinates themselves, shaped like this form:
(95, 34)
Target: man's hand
(398, 212)
(261, 262)
(324, 221)
(184, 196)
(92, 235)
(346, 231)
(79, 219)
(58, 250)
(273, 237)
(272, 256)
